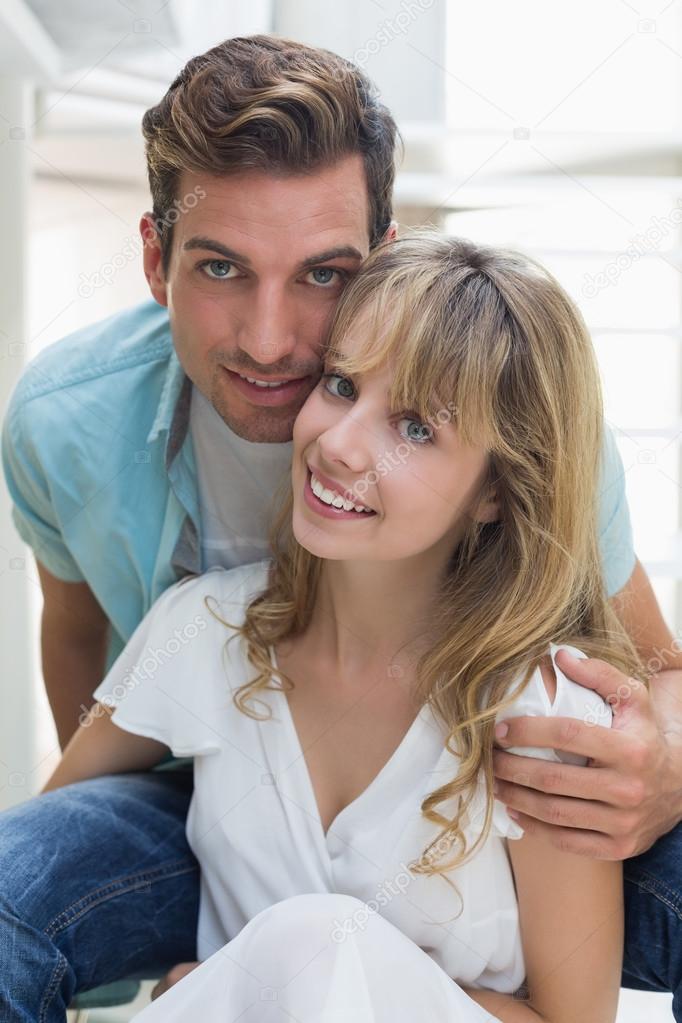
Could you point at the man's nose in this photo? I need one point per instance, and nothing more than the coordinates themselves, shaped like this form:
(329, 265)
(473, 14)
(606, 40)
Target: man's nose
(271, 329)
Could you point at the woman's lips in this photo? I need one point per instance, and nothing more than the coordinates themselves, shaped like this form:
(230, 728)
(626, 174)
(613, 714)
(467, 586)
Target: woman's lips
(327, 511)
(346, 492)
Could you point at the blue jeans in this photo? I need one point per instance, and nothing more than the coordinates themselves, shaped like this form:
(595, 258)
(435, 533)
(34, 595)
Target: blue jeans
(97, 883)
(652, 958)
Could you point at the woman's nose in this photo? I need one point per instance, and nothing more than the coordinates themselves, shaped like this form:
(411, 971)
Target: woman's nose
(351, 442)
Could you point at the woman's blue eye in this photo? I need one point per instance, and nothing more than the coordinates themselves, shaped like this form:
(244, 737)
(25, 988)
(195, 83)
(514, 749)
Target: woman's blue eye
(423, 434)
(344, 381)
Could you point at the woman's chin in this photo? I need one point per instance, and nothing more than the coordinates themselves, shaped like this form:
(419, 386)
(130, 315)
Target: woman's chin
(314, 539)
(308, 540)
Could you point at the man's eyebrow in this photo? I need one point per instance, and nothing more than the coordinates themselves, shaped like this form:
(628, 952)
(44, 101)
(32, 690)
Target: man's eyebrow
(200, 242)
(338, 252)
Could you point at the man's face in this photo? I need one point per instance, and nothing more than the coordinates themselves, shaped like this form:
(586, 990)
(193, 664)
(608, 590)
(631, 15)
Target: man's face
(257, 266)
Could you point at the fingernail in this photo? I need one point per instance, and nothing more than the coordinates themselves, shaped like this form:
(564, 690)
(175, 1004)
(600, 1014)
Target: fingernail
(513, 813)
(501, 730)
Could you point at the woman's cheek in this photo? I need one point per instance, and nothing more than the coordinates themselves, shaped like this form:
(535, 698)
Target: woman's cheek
(313, 419)
(305, 419)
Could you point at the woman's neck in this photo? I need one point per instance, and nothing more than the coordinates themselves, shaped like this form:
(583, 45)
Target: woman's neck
(372, 613)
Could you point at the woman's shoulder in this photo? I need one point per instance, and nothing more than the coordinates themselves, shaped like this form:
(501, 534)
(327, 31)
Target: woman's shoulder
(551, 693)
(156, 685)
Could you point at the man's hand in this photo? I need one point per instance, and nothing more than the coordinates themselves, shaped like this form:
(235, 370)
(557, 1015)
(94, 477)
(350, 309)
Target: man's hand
(172, 977)
(628, 795)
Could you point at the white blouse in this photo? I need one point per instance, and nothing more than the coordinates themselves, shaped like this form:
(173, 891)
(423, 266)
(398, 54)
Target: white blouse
(253, 821)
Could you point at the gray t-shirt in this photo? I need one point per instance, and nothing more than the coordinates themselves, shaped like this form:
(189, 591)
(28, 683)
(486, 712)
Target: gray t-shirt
(237, 480)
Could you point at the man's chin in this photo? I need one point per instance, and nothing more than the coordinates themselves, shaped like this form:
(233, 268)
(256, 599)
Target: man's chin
(263, 426)
(260, 424)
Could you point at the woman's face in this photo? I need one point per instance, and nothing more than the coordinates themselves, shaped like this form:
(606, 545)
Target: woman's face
(420, 483)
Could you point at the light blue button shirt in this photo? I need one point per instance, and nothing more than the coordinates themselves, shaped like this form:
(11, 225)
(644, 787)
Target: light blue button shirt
(100, 466)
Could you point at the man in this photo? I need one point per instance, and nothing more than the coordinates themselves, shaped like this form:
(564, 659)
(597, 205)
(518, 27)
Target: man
(148, 446)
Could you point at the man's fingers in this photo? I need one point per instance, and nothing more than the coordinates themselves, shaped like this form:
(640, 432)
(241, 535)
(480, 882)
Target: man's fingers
(559, 779)
(569, 734)
(172, 977)
(159, 988)
(592, 844)
(563, 811)
(603, 678)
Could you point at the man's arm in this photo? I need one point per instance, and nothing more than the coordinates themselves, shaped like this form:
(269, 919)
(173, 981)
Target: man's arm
(661, 653)
(638, 610)
(74, 627)
(73, 642)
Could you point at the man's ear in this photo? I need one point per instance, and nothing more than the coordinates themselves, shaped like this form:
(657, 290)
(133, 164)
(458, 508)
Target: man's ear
(392, 232)
(151, 258)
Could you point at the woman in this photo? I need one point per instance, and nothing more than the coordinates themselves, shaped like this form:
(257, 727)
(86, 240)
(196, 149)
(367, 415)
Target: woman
(438, 542)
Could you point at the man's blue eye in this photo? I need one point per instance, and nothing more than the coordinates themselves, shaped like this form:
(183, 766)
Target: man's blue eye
(344, 382)
(222, 265)
(325, 274)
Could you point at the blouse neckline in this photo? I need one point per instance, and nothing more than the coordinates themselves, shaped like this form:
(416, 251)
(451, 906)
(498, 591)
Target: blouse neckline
(379, 788)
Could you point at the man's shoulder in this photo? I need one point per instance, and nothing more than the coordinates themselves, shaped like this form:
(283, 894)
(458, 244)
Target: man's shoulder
(228, 590)
(110, 353)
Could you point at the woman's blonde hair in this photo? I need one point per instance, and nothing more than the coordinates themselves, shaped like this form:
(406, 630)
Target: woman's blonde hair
(491, 337)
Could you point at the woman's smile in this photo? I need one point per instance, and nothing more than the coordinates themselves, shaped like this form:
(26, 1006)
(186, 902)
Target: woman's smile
(318, 498)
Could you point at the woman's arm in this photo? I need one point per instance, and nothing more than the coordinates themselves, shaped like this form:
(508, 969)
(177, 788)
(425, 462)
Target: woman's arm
(571, 915)
(572, 920)
(101, 747)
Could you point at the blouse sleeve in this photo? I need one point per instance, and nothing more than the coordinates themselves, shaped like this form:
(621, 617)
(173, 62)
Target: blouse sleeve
(571, 700)
(165, 684)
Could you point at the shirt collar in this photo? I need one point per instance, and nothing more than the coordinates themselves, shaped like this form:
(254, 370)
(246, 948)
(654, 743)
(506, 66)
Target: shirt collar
(172, 414)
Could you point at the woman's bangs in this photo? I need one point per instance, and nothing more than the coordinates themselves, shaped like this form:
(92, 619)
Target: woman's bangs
(404, 335)
(365, 338)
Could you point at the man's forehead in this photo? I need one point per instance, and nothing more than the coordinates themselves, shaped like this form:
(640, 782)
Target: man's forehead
(250, 201)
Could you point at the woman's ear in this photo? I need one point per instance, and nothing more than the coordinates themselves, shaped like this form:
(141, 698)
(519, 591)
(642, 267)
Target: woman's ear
(488, 508)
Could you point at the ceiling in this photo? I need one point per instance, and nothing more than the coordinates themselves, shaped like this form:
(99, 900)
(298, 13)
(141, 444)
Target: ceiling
(99, 64)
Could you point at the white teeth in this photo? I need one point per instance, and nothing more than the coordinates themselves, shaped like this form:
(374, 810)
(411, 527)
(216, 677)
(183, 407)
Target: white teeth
(329, 497)
(262, 383)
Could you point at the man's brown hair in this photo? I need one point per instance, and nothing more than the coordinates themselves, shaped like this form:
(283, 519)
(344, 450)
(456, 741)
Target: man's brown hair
(274, 105)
